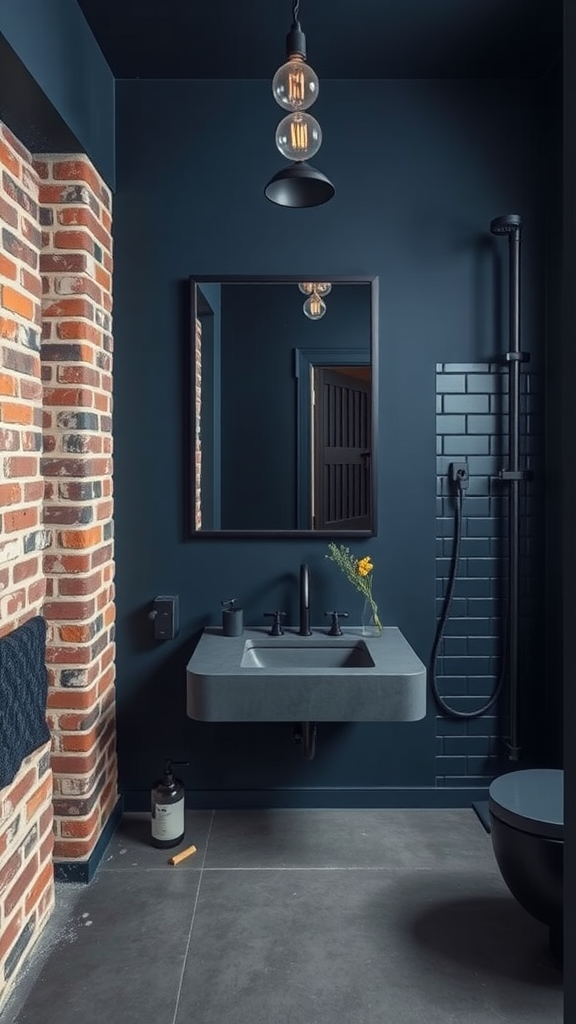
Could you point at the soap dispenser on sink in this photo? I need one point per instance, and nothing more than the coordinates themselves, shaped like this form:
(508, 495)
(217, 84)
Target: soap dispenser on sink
(232, 618)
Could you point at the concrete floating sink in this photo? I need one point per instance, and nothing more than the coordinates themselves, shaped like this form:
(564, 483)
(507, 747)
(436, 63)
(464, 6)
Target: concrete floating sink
(259, 678)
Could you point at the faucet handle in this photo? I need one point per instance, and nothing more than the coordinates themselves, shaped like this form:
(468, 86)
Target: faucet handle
(276, 629)
(335, 629)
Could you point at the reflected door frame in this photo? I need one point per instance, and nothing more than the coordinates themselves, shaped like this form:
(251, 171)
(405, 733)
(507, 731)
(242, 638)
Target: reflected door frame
(305, 361)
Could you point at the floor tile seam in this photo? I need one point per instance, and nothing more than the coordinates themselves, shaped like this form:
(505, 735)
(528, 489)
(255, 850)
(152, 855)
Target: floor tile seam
(447, 868)
(191, 928)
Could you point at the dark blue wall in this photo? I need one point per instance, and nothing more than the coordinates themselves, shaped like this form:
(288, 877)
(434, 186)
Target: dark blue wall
(69, 80)
(420, 169)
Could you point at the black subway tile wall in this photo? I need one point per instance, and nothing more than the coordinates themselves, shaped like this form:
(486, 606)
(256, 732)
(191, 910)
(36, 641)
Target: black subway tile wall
(472, 427)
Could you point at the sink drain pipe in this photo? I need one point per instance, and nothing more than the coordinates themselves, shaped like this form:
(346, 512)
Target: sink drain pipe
(305, 735)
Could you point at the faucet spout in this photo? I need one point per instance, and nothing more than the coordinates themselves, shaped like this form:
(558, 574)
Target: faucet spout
(305, 601)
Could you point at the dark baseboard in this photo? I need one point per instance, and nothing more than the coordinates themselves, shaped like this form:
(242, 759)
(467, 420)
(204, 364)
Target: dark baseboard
(481, 808)
(369, 797)
(84, 870)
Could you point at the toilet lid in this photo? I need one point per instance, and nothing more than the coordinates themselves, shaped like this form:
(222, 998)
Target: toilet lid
(531, 800)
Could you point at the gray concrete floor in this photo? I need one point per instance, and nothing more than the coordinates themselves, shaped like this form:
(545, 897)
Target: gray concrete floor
(361, 916)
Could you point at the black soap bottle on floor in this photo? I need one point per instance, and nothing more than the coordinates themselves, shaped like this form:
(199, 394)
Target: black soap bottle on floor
(167, 800)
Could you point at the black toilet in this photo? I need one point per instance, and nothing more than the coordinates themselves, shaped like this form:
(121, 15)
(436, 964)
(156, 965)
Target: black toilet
(527, 818)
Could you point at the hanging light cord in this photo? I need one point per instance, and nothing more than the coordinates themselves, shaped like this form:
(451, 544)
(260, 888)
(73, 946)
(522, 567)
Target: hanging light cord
(295, 11)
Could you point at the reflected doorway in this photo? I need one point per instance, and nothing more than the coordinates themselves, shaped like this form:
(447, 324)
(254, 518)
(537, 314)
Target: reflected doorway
(341, 447)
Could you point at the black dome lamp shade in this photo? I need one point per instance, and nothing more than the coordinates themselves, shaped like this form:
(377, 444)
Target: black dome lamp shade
(298, 136)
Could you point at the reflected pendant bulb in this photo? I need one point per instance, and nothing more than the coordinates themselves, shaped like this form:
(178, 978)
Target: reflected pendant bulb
(320, 287)
(314, 307)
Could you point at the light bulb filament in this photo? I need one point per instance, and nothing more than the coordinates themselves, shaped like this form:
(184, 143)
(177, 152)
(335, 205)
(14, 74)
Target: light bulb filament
(299, 135)
(296, 87)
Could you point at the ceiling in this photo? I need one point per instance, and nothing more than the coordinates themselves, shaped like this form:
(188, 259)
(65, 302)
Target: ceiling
(346, 38)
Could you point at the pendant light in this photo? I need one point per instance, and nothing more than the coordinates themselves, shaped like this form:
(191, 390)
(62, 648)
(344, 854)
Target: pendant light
(320, 287)
(298, 135)
(315, 307)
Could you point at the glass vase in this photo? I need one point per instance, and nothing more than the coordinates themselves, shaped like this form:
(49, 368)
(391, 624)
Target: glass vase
(371, 622)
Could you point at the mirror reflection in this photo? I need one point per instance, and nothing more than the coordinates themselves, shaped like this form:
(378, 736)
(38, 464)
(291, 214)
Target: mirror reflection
(283, 405)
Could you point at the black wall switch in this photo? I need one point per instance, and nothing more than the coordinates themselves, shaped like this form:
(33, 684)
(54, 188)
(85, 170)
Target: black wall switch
(164, 615)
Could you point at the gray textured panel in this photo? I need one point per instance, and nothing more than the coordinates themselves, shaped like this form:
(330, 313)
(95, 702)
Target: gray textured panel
(227, 684)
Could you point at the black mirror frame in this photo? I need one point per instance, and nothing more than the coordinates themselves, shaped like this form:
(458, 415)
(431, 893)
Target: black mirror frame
(189, 450)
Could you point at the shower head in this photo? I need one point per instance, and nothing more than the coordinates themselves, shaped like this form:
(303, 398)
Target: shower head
(508, 224)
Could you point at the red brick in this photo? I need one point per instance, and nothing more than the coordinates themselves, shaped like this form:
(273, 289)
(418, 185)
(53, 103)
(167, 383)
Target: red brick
(63, 263)
(24, 879)
(77, 585)
(74, 610)
(74, 765)
(78, 374)
(77, 700)
(16, 793)
(72, 330)
(31, 282)
(75, 397)
(10, 494)
(36, 591)
(17, 302)
(68, 656)
(83, 217)
(17, 146)
(70, 307)
(81, 170)
(26, 569)
(23, 519)
(81, 538)
(9, 159)
(8, 268)
(43, 793)
(16, 412)
(10, 869)
(21, 466)
(10, 933)
(80, 828)
(43, 881)
(65, 564)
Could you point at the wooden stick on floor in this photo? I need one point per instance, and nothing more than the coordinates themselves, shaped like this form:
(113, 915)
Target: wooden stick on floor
(182, 855)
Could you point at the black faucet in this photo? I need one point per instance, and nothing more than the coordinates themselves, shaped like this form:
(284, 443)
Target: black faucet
(305, 601)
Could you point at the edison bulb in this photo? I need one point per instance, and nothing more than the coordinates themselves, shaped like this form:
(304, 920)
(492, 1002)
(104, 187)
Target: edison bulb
(295, 85)
(298, 136)
(320, 287)
(314, 307)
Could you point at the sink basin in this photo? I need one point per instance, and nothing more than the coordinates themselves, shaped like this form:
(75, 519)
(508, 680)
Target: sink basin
(306, 655)
(260, 678)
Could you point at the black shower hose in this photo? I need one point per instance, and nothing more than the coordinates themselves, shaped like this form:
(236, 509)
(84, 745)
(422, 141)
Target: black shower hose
(452, 712)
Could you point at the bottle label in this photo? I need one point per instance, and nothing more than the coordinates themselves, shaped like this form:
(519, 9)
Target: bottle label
(168, 820)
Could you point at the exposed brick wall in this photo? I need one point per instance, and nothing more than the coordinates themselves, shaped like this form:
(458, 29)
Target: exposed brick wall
(76, 267)
(472, 426)
(56, 542)
(26, 875)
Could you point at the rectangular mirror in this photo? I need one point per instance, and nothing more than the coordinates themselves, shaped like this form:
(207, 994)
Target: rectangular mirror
(283, 412)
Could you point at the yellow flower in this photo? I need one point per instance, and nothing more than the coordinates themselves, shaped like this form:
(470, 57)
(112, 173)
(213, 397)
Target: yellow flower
(364, 566)
(357, 571)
